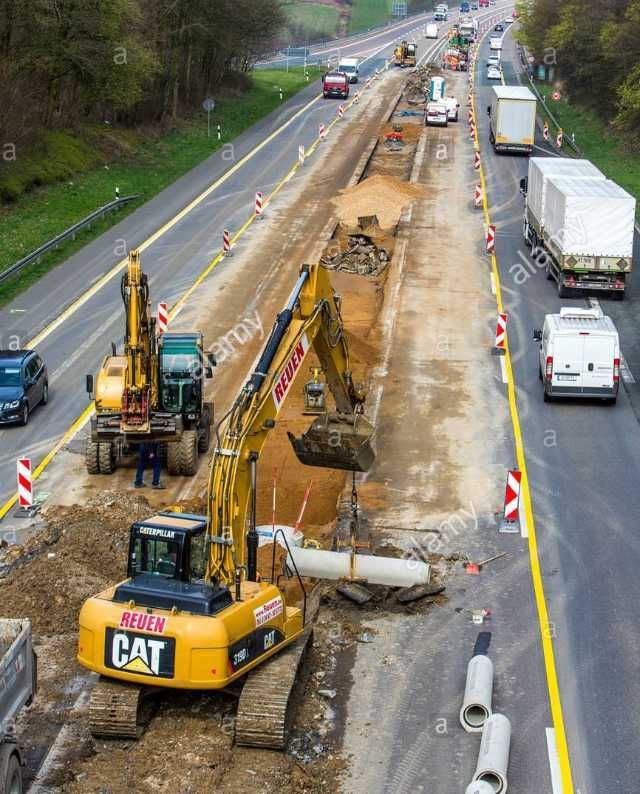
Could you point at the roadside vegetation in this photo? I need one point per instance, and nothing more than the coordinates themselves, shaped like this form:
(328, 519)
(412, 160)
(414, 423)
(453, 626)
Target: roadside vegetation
(145, 166)
(309, 22)
(594, 47)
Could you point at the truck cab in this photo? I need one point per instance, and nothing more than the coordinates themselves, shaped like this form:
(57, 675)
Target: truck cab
(350, 67)
(335, 84)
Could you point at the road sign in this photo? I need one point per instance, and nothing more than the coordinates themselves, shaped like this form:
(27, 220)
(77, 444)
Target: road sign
(491, 239)
(556, 96)
(512, 495)
(501, 331)
(25, 483)
(163, 317)
(209, 105)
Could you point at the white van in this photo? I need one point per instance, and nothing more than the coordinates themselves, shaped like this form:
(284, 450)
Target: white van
(436, 89)
(579, 355)
(436, 114)
(453, 107)
(495, 43)
(350, 67)
(432, 31)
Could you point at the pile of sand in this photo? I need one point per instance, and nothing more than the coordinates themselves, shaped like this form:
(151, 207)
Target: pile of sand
(383, 196)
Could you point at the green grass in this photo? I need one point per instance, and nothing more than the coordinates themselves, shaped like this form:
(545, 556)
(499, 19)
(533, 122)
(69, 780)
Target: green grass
(367, 13)
(149, 167)
(317, 21)
(597, 142)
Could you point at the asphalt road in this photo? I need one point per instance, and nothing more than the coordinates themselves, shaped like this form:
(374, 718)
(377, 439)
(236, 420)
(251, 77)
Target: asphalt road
(584, 470)
(77, 345)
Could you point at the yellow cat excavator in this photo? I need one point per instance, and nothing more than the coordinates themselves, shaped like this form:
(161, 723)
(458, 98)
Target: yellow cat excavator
(154, 391)
(194, 612)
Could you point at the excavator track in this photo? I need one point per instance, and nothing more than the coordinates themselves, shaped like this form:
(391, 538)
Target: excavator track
(269, 697)
(119, 711)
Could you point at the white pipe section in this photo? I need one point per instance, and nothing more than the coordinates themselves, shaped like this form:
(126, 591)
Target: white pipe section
(478, 787)
(389, 571)
(478, 691)
(493, 759)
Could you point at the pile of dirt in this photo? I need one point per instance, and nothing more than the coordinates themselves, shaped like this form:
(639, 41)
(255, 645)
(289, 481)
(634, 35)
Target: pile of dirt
(80, 551)
(383, 196)
(362, 256)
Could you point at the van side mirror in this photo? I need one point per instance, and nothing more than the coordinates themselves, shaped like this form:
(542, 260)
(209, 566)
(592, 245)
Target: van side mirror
(523, 186)
(537, 334)
(89, 384)
(212, 360)
(488, 110)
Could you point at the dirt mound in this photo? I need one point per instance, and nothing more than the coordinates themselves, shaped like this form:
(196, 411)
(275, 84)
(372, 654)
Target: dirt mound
(383, 196)
(79, 552)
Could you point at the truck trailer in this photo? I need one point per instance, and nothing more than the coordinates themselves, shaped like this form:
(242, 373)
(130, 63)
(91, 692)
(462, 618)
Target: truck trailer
(512, 119)
(18, 675)
(583, 231)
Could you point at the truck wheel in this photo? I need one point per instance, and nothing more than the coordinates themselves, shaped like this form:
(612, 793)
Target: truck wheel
(91, 459)
(618, 295)
(173, 457)
(107, 457)
(204, 439)
(12, 776)
(189, 453)
(546, 396)
(564, 292)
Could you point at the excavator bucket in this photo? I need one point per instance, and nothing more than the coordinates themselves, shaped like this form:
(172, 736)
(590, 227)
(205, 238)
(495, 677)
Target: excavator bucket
(336, 441)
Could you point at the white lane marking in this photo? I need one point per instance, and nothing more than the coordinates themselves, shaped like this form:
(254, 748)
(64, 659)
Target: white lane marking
(625, 371)
(522, 517)
(554, 761)
(493, 284)
(503, 369)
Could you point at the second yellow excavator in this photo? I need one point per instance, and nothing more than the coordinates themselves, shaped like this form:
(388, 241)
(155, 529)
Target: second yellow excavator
(194, 612)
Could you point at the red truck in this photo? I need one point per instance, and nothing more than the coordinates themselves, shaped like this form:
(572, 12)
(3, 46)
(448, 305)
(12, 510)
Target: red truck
(335, 84)
(483, 3)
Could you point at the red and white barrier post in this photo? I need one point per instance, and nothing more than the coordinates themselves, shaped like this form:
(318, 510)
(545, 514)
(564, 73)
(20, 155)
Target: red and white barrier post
(472, 131)
(501, 331)
(476, 160)
(477, 196)
(491, 239)
(559, 138)
(321, 132)
(162, 317)
(259, 210)
(301, 155)
(226, 242)
(303, 506)
(356, 97)
(340, 112)
(545, 131)
(512, 501)
(25, 483)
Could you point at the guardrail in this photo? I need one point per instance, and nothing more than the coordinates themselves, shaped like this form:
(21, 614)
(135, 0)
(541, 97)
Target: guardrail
(569, 141)
(71, 232)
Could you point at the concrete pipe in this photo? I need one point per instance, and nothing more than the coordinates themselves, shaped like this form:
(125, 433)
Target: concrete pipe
(478, 691)
(388, 571)
(478, 787)
(493, 759)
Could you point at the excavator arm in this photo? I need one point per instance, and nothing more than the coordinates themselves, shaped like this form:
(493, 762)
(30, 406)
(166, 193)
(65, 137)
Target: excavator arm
(310, 320)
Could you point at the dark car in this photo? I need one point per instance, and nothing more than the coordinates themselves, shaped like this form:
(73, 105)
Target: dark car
(23, 385)
(499, 28)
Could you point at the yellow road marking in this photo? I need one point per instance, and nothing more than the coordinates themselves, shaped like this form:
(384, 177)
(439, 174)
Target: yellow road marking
(536, 575)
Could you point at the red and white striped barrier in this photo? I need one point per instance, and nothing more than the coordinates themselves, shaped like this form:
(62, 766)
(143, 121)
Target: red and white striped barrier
(545, 131)
(491, 239)
(501, 331)
(25, 482)
(226, 242)
(476, 160)
(559, 138)
(340, 112)
(470, 118)
(259, 210)
(321, 132)
(356, 97)
(512, 496)
(301, 155)
(470, 99)
(162, 317)
(477, 196)
(472, 131)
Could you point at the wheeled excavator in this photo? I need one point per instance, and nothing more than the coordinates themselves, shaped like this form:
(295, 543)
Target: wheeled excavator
(405, 54)
(153, 392)
(194, 611)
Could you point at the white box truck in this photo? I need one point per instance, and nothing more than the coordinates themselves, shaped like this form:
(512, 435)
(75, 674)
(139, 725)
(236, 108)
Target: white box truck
(350, 67)
(512, 119)
(584, 237)
(441, 13)
(579, 355)
(432, 31)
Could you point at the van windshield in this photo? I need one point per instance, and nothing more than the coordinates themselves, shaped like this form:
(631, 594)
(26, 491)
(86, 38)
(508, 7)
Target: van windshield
(9, 376)
(347, 69)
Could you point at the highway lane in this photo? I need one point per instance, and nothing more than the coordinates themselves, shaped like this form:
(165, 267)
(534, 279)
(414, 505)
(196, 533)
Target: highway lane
(583, 469)
(172, 261)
